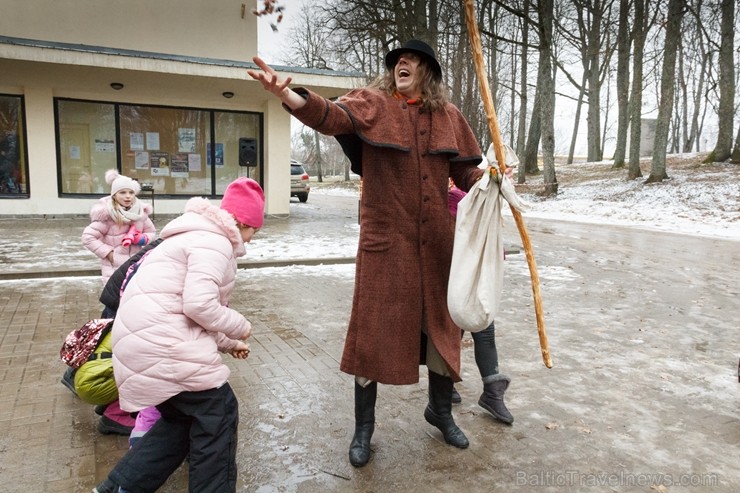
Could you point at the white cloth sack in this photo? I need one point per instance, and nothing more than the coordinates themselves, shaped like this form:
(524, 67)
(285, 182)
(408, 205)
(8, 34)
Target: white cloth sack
(476, 273)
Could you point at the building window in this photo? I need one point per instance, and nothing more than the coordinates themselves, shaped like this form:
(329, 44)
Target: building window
(166, 147)
(177, 151)
(87, 146)
(13, 162)
(239, 134)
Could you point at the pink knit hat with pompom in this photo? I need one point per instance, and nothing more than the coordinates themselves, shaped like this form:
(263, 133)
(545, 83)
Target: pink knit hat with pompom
(245, 200)
(119, 182)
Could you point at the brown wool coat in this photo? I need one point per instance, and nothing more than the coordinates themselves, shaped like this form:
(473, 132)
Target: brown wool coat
(406, 230)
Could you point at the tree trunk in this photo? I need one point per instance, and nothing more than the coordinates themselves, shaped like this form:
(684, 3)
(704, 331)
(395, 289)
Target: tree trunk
(676, 122)
(667, 89)
(735, 158)
(607, 105)
(726, 112)
(635, 102)
(593, 117)
(579, 105)
(693, 135)
(512, 100)
(317, 143)
(531, 166)
(623, 83)
(521, 130)
(683, 109)
(547, 97)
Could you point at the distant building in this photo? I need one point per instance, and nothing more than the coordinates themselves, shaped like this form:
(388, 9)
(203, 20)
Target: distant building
(156, 89)
(647, 136)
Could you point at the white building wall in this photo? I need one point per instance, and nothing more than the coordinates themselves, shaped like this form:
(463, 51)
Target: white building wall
(277, 157)
(200, 28)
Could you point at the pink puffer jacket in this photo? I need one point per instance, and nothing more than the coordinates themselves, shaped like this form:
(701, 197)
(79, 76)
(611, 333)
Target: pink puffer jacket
(173, 319)
(103, 236)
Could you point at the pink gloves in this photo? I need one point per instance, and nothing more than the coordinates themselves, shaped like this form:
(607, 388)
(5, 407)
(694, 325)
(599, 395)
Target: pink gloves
(135, 237)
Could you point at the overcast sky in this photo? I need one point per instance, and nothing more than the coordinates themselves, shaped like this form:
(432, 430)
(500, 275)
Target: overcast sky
(272, 43)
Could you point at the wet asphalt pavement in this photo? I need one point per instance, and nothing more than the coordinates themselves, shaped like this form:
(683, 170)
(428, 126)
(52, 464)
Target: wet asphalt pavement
(643, 395)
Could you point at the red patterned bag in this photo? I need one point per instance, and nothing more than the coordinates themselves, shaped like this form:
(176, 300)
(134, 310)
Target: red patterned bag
(81, 343)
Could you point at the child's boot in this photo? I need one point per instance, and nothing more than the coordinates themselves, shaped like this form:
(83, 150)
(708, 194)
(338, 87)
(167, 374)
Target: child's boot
(68, 379)
(115, 420)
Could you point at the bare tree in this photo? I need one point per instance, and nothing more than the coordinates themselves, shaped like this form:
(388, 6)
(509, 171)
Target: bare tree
(547, 97)
(594, 37)
(639, 32)
(726, 111)
(585, 26)
(527, 143)
(676, 9)
(309, 48)
(522, 126)
(623, 83)
(693, 65)
(529, 160)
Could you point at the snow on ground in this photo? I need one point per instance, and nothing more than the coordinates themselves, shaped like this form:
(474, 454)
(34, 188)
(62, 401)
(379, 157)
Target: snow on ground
(695, 200)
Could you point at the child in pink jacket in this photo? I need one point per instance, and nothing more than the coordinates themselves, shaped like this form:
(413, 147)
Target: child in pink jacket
(120, 224)
(173, 320)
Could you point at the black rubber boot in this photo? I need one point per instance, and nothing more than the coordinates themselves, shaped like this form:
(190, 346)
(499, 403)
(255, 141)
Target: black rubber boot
(439, 411)
(359, 449)
(492, 398)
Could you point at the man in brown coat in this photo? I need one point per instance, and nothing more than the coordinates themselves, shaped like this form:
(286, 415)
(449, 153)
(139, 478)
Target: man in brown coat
(406, 140)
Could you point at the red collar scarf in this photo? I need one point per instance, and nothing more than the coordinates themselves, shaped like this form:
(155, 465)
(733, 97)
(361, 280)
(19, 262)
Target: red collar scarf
(411, 102)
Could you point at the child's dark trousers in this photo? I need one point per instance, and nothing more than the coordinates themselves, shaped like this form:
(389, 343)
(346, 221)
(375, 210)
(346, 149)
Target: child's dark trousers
(202, 424)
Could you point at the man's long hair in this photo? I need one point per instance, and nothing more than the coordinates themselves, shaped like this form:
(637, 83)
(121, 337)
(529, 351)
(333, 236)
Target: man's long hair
(433, 92)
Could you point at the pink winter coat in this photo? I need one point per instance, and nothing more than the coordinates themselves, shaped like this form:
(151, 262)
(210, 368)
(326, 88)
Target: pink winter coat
(174, 316)
(103, 236)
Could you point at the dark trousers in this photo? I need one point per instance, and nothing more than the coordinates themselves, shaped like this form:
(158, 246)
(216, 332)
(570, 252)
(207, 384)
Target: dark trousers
(486, 357)
(202, 424)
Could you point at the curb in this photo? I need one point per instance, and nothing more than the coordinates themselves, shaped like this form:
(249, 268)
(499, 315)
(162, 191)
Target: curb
(246, 264)
(50, 274)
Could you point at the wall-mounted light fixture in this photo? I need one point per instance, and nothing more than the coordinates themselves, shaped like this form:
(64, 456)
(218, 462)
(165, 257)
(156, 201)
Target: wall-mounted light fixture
(117, 86)
(227, 94)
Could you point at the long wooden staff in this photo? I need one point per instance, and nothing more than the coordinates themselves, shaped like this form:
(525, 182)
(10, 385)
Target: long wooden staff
(498, 147)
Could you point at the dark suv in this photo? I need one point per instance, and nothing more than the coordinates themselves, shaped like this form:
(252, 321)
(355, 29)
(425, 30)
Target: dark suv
(298, 181)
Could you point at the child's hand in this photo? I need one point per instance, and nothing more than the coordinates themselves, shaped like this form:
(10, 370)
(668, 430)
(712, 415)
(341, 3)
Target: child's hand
(140, 239)
(509, 172)
(240, 351)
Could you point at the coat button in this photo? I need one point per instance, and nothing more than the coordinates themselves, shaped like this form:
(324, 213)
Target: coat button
(426, 198)
(424, 177)
(423, 132)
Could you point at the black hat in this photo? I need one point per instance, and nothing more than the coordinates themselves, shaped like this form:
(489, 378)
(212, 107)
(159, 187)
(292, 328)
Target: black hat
(415, 46)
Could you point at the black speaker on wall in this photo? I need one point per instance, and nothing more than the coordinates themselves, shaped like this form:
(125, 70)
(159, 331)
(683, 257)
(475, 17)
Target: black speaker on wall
(247, 152)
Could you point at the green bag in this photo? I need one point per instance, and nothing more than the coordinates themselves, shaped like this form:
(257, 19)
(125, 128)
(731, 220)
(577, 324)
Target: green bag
(94, 380)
